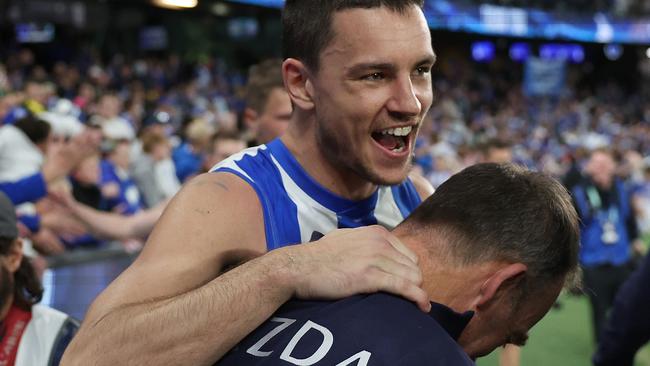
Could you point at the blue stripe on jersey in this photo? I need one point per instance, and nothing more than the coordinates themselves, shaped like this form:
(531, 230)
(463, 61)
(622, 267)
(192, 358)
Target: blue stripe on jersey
(280, 220)
(406, 198)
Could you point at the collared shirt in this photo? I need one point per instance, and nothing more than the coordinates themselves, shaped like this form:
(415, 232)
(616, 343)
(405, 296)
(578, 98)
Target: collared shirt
(377, 329)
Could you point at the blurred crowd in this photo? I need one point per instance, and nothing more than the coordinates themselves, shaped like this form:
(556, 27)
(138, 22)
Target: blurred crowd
(122, 137)
(619, 8)
(118, 138)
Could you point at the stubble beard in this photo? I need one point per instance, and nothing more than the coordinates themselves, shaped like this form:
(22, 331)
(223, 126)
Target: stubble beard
(343, 156)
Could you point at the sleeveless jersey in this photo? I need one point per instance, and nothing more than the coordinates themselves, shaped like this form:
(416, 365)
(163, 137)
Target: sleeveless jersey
(297, 209)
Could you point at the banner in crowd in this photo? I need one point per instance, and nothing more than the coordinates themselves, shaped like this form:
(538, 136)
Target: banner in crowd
(526, 23)
(544, 77)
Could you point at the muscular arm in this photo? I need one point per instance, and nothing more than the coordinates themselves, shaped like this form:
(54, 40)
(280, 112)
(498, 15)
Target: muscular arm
(169, 308)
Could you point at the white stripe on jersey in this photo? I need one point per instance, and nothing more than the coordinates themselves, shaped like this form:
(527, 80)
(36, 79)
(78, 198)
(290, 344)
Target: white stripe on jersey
(386, 210)
(231, 162)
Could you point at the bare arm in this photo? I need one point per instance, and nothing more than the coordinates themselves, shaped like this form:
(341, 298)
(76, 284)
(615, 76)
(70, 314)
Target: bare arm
(118, 227)
(168, 308)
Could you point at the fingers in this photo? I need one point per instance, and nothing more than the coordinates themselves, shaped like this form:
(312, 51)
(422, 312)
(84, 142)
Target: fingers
(407, 271)
(397, 244)
(363, 260)
(400, 286)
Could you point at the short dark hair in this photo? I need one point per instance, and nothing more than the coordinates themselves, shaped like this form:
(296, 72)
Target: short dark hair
(307, 24)
(27, 287)
(504, 212)
(262, 79)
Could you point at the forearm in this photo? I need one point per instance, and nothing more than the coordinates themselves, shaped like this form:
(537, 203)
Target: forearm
(195, 328)
(104, 224)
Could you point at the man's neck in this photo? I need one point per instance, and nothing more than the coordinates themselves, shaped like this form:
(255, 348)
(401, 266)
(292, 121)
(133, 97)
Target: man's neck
(303, 146)
(454, 286)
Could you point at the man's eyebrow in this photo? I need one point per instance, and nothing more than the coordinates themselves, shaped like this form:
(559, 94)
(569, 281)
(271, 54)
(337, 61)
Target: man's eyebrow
(365, 66)
(430, 59)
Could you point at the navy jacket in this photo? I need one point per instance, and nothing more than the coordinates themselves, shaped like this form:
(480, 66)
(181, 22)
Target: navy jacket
(372, 330)
(628, 326)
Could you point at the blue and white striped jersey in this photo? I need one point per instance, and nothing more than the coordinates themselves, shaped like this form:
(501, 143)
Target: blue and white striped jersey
(297, 209)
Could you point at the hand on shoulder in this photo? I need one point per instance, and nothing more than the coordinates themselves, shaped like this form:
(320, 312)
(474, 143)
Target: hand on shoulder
(352, 261)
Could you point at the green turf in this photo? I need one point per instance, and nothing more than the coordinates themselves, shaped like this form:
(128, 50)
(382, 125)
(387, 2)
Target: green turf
(562, 338)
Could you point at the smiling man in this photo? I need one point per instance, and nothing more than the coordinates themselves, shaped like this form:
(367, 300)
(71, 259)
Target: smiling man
(358, 76)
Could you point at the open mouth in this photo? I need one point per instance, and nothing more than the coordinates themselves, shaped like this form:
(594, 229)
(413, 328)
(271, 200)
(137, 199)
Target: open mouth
(395, 140)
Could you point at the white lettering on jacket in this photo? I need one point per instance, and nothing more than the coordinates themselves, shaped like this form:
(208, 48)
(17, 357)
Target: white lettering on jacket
(255, 349)
(362, 358)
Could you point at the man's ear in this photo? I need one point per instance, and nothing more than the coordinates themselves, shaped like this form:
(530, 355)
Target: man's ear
(505, 277)
(15, 256)
(297, 83)
(250, 118)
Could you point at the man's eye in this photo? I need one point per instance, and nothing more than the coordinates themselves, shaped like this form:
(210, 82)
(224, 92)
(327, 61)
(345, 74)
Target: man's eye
(422, 70)
(375, 76)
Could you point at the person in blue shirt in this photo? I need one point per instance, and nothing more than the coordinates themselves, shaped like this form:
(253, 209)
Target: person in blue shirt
(188, 156)
(608, 232)
(628, 327)
(359, 78)
(118, 188)
(496, 245)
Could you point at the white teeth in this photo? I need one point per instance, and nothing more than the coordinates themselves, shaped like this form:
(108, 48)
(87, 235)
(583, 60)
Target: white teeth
(399, 131)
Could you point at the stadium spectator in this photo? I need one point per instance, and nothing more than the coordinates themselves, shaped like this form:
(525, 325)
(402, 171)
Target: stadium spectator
(188, 156)
(118, 189)
(222, 146)
(628, 326)
(31, 334)
(608, 231)
(268, 107)
(153, 171)
(496, 151)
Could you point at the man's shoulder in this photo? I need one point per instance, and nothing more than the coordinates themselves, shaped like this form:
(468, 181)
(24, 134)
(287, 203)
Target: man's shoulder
(377, 329)
(251, 164)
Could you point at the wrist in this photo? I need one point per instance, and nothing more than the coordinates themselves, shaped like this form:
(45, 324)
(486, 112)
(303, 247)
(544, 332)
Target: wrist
(284, 270)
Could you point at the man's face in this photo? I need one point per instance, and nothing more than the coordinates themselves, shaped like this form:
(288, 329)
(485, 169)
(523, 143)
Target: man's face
(223, 149)
(372, 90)
(274, 119)
(109, 106)
(502, 323)
(601, 167)
(121, 154)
